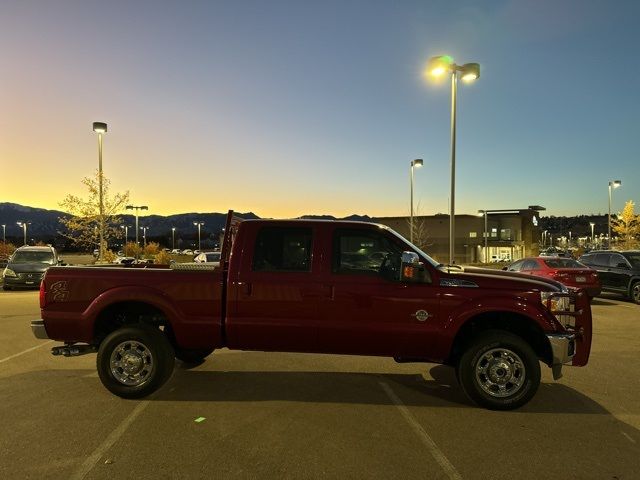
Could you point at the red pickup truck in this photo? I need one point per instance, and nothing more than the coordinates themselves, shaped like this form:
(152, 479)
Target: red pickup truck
(318, 286)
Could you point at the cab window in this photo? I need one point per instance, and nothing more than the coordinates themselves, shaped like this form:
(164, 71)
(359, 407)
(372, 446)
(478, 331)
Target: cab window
(358, 252)
(281, 249)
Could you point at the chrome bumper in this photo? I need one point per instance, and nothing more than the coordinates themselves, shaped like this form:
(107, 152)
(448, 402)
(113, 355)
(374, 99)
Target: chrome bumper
(563, 348)
(37, 327)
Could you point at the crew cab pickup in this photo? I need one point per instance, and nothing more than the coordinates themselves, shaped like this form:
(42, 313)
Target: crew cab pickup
(318, 286)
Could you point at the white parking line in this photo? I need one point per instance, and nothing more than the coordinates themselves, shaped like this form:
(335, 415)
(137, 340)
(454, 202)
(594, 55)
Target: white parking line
(628, 437)
(435, 452)
(25, 351)
(113, 437)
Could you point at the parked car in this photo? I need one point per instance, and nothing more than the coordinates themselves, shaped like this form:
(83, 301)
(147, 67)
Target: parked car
(175, 251)
(619, 271)
(27, 266)
(124, 260)
(208, 257)
(187, 252)
(567, 271)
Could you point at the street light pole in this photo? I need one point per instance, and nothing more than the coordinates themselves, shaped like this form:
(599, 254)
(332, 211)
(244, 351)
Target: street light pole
(414, 163)
(173, 238)
(144, 235)
(4, 233)
(100, 128)
(592, 225)
(24, 229)
(469, 71)
(614, 184)
(137, 208)
(198, 224)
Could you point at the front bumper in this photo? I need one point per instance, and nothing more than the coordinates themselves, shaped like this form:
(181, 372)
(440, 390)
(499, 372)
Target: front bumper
(23, 280)
(37, 327)
(563, 348)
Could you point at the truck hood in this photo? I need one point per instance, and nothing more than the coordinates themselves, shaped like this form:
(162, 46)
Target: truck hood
(495, 279)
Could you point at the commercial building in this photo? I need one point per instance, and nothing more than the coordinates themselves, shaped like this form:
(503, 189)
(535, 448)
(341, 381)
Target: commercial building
(510, 234)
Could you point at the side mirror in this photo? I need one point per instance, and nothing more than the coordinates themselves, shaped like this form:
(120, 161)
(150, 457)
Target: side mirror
(411, 270)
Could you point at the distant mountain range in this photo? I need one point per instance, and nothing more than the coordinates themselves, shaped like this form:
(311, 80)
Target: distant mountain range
(45, 224)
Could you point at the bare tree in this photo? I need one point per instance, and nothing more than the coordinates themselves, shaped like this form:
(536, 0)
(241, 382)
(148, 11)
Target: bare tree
(83, 223)
(421, 237)
(627, 226)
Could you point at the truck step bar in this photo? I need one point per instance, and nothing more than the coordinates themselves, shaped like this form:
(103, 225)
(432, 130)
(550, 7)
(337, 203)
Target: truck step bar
(73, 350)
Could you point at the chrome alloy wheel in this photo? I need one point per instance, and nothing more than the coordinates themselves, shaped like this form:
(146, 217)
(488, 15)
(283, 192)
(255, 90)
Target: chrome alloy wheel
(500, 372)
(131, 363)
(635, 292)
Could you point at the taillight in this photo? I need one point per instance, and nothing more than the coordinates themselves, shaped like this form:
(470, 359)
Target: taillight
(43, 295)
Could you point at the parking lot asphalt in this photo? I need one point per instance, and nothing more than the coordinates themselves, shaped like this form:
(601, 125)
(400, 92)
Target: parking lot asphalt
(277, 415)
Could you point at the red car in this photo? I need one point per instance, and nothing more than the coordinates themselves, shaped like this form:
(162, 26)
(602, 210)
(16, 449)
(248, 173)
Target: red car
(568, 271)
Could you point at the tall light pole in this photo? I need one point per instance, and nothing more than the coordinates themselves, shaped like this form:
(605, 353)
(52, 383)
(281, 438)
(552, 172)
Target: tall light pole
(144, 235)
(173, 238)
(137, 208)
(198, 224)
(614, 184)
(126, 233)
(417, 163)
(24, 229)
(100, 128)
(592, 225)
(469, 72)
(4, 233)
(486, 246)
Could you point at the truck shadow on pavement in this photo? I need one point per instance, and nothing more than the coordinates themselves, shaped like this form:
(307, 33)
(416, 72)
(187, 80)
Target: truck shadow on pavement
(442, 390)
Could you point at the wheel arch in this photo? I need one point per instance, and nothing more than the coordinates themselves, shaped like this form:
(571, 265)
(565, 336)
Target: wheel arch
(512, 322)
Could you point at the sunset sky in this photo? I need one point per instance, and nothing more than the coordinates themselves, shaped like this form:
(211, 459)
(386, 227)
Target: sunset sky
(287, 108)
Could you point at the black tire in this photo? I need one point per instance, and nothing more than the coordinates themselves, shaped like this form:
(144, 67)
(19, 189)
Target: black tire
(634, 292)
(499, 371)
(135, 361)
(193, 355)
(5, 287)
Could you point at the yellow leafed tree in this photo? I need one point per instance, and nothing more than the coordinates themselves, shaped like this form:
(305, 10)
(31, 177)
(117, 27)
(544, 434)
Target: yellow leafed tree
(627, 226)
(83, 223)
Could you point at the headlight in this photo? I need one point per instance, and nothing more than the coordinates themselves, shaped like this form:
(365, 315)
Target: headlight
(9, 273)
(555, 303)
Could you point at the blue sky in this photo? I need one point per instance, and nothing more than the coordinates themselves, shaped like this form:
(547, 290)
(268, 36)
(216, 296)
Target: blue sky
(286, 108)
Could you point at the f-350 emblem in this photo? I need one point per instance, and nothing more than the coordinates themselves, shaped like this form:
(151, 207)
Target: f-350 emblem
(421, 315)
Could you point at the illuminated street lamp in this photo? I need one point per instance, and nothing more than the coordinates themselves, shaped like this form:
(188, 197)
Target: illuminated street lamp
(417, 163)
(24, 229)
(592, 225)
(100, 128)
(469, 72)
(173, 238)
(198, 224)
(137, 208)
(614, 184)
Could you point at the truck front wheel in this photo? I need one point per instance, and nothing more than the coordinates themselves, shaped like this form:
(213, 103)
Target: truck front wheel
(499, 371)
(134, 362)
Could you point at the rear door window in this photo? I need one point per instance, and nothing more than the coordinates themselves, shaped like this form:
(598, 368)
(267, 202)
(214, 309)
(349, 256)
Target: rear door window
(616, 259)
(282, 249)
(530, 265)
(602, 259)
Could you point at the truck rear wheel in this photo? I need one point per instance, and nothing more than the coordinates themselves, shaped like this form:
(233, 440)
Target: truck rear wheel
(134, 362)
(499, 371)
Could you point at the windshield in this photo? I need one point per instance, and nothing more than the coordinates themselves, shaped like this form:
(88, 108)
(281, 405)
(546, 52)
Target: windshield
(33, 257)
(634, 259)
(416, 249)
